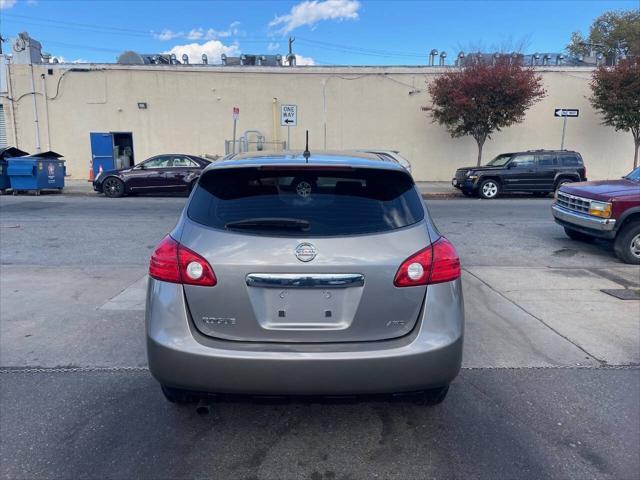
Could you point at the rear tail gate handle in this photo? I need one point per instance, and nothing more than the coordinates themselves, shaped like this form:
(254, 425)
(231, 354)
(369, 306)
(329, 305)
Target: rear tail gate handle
(298, 280)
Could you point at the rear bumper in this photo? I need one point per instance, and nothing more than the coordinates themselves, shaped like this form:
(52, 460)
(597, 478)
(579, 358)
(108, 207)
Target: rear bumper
(179, 356)
(597, 227)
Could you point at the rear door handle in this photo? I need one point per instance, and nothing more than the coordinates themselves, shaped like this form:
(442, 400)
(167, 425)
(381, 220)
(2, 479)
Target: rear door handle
(301, 280)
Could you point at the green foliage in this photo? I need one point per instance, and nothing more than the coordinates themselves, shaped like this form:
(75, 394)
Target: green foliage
(613, 34)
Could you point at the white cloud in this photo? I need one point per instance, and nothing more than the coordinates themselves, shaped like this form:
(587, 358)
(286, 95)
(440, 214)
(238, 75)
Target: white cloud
(273, 46)
(232, 31)
(167, 34)
(199, 33)
(213, 49)
(64, 60)
(195, 34)
(300, 60)
(311, 12)
(5, 4)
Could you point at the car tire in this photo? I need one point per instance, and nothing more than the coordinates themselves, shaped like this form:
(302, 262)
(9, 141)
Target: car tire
(178, 396)
(563, 181)
(627, 243)
(578, 236)
(113, 187)
(489, 189)
(432, 397)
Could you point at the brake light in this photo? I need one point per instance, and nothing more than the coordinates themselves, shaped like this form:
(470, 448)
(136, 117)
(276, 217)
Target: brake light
(175, 263)
(437, 263)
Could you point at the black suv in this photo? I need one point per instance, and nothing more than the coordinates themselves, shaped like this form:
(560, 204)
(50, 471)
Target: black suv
(535, 171)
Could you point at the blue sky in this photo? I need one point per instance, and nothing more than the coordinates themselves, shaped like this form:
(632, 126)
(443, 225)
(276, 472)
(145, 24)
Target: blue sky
(356, 32)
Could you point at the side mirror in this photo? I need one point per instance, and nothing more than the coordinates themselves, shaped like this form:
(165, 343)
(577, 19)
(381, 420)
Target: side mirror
(140, 167)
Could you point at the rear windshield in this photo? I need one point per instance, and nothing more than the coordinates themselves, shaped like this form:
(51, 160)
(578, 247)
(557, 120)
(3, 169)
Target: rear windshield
(309, 202)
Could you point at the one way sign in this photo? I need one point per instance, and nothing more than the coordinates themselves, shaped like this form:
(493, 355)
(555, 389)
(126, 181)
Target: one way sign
(566, 112)
(288, 115)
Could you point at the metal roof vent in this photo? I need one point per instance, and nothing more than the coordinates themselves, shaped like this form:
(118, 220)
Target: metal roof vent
(432, 57)
(223, 57)
(185, 59)
(559, 59)
(173, 58)
(205, 60)
(443, 56)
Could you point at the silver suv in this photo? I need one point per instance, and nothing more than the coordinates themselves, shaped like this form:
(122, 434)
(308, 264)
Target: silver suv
(295, 275)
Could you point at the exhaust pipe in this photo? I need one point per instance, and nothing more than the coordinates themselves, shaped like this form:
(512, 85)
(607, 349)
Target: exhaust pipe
(204, 407)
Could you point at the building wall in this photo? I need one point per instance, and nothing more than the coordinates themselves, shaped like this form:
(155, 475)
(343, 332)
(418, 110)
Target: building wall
(189, 110)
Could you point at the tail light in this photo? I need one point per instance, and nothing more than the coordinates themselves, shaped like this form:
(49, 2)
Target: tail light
(437, 263)
(175, 263)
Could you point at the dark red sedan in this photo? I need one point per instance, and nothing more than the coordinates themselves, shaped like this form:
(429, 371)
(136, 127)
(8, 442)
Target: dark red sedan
(604, 209)
(168, 173)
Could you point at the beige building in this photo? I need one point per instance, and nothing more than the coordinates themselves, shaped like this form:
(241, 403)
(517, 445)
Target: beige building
(189, 109)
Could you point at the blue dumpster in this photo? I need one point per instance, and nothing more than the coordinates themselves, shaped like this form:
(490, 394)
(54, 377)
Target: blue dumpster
(43, 171)
(5, 153)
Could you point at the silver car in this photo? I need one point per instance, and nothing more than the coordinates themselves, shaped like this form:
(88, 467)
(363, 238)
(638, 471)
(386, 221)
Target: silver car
(304, 275)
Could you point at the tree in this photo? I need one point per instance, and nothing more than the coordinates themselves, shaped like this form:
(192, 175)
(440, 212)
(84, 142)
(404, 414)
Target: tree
(615, 94)
(482, 98)
(613, 34)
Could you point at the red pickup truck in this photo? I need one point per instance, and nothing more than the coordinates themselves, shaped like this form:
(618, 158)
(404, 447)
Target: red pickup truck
(603, 209)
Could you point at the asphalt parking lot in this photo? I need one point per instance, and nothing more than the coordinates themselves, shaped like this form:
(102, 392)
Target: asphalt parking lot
(550, 386)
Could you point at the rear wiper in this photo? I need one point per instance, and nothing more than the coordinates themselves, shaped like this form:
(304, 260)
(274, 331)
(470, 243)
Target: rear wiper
(285, 223)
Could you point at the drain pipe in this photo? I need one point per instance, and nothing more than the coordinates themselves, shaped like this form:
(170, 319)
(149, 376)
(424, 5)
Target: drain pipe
(46, 111)
(35, 110)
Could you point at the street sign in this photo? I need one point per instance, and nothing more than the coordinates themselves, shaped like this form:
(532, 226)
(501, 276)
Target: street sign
(288, 115)
(236, 113)
(566, 112)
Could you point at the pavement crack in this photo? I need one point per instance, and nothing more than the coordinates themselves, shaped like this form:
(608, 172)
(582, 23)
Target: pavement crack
(579, 347)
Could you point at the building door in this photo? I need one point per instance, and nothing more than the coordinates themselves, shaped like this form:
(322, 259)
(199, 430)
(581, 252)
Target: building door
(102, 157)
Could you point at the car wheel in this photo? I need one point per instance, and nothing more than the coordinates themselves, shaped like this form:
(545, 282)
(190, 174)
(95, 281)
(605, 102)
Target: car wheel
(113, 187)
(489, 189)
(627, 243)
(178, 396)
(562, 181)
(433, 397)
(576, 235)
